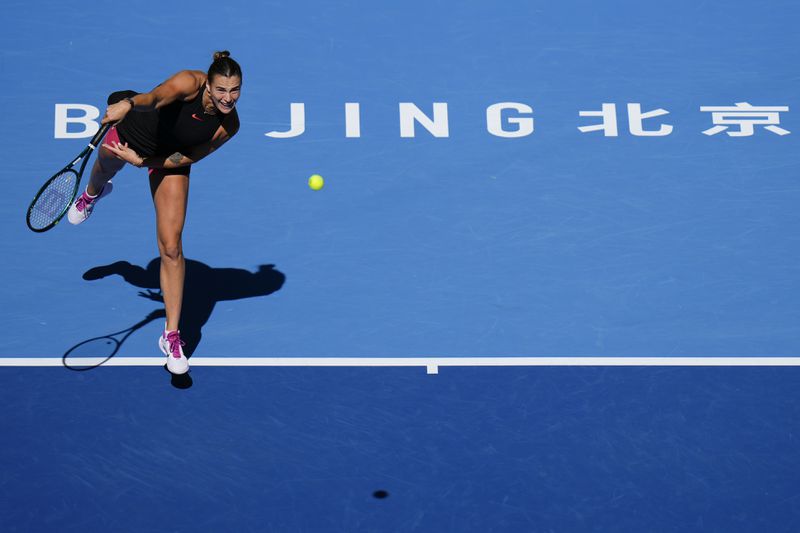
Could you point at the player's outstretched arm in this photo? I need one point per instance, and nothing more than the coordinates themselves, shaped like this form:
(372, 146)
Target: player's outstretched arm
(182, 86)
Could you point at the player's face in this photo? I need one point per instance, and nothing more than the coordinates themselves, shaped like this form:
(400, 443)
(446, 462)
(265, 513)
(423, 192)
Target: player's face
(224, 92)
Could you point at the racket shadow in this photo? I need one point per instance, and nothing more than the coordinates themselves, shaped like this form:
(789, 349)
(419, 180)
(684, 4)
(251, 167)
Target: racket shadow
(203, 288)
(101, 349)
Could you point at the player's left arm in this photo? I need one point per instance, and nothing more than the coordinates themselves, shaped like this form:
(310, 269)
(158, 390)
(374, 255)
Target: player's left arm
(226, 131)
(195, 154)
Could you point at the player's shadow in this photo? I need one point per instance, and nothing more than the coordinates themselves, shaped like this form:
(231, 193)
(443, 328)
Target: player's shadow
(203, 288)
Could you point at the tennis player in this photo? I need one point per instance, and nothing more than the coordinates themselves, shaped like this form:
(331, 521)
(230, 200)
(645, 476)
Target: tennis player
(175, 125)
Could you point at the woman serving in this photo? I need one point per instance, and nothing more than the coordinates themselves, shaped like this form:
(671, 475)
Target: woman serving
(178, 123)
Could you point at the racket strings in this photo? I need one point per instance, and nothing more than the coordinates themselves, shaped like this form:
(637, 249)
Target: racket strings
(54, 200)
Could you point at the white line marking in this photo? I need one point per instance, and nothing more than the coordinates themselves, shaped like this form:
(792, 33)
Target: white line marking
(432, 364)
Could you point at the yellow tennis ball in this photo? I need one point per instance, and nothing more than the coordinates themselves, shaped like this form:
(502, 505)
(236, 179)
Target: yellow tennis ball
(316, 182)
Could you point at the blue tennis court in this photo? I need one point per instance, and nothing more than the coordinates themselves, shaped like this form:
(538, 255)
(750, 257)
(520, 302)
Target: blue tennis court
(550, 283)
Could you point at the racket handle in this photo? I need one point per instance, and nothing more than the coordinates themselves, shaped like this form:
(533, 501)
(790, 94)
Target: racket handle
(99, 135)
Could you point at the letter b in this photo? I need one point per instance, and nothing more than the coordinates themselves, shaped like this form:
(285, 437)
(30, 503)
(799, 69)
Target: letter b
(88, 120)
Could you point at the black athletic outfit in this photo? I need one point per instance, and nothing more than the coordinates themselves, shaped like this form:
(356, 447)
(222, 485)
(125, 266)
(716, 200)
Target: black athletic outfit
(176, 127)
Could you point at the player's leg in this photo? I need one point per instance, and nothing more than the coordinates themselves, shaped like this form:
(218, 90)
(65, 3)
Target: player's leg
(105, 167)
(170, 190)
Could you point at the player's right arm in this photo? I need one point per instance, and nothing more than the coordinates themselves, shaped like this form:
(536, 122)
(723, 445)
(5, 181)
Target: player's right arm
(182, 86)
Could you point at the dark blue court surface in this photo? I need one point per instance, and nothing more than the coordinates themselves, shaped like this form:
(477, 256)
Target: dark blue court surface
(502, 180)
(469, 450)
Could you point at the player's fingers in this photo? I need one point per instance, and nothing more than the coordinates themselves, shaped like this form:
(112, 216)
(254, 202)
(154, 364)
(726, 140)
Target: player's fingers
(113, 149)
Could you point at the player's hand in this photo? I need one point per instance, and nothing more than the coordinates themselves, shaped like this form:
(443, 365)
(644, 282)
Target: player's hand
(116, 112)
(121, 151)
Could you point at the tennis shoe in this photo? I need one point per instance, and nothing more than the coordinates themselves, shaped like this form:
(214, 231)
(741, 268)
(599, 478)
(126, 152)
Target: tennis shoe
(172, 346)
(82, 208)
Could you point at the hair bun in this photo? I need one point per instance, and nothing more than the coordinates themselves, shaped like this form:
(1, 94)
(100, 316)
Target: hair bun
(224, 65)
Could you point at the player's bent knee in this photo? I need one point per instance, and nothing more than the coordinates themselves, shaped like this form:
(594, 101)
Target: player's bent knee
(108, 162)
(171, 252)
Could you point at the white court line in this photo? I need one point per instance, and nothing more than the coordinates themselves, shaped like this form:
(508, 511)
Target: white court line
(431, 364)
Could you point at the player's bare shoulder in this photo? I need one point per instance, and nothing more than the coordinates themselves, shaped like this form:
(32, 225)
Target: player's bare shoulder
(186, 83)
(199, 76)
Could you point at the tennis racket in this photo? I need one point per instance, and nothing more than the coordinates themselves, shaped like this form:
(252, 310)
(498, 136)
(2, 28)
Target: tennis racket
(56, 195)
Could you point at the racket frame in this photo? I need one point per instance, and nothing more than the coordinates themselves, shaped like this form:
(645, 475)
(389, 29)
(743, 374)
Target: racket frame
(84, 156)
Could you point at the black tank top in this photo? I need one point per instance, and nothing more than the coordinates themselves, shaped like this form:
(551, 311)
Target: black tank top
(173, 128)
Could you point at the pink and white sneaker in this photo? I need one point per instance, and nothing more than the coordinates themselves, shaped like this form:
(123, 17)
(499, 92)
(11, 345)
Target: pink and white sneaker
(172, 346)
(81, 209)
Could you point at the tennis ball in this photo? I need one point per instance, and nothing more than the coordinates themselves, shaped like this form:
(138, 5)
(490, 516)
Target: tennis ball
(316, 182)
